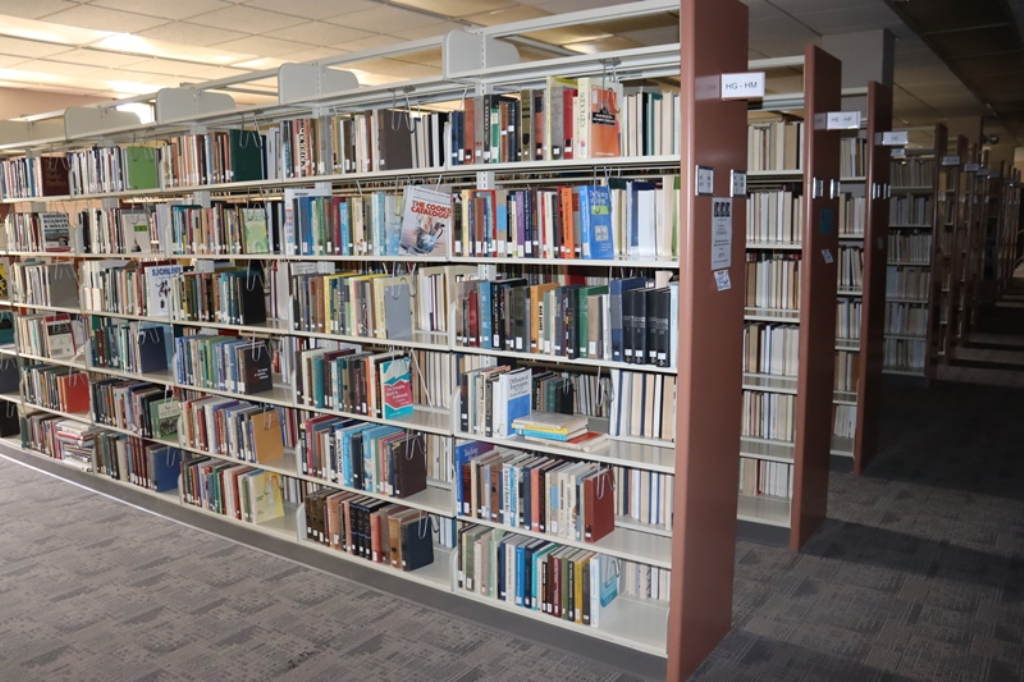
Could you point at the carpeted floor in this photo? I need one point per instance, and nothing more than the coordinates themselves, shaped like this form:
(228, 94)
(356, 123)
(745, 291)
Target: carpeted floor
(917, 575)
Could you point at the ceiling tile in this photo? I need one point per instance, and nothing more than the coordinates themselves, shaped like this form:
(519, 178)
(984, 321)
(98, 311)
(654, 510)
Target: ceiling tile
(168, 67)
(178, 9)
(262, 46)
(191, 34)
(426, 31)
(28, 49)
(654, 36)
(59, 68)
(507, 15)
(311, 54)
(248, 19)
(367, 43)
(97, 58)
(313, 9)
(457, 8)
(7, 61)
(390, 19)
(318, 33)
(216, 72)
(102, 19)
(36, 9)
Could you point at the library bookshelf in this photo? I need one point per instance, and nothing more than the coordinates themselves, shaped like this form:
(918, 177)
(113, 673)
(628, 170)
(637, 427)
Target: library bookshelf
(952, 215)
(793, 238)
(861, 301)
(913, 220)
(280, 320)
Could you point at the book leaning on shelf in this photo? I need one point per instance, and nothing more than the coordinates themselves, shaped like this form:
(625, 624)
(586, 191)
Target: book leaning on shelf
(147, 410)
(139, 347)
(253, 433)
(57, 336)
(148, 465)
(375, 530)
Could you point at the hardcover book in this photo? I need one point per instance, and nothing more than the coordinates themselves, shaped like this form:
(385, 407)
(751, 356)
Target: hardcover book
(56, 231)
(396, 388)
(163, 416)
(254, 222)
(60, 341)
(158, 288)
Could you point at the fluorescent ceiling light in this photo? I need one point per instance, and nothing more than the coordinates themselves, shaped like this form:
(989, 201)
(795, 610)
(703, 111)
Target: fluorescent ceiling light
(126, 42)
(48, 32)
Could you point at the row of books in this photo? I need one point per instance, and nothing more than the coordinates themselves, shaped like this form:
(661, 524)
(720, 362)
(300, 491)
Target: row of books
(644, 496)
(853, 157)
(127, 288)
(353, 304)
(563, 498)
(844, 420)
(768, 416)
(910, 246)
(851, 268)
(257, 434)
(56, 388)
(75, 441)
(625, 219)
(760, 477)
(775, 145)
(775, 217)
(643, 405)
(208, 158)
(771, 348)
(220, 228)
(225, 363)
(773, 280)
(120, 230)
(846, 372)
(147, 410)
(906, 319)
(852, 215)
(348, 379)
(39, 433)
(904, 354)
(907, 282)
(237, 491)
(912, 172)
(380, 459)
(153, 466)
(47, 284)
(33, 176)
(540, 575)
(109, 169)
(37, 232)
(848, 312)
(56, 335)
(234, 295)
(910, 209)
(130, 346)
(372, 529)
(624, 320)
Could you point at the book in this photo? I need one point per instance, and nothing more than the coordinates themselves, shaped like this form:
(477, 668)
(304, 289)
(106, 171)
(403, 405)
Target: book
(550, 423)
(254, 222)
(396, 388)
(60, 340)
(158, 288)
(163, 416)
(56, 231)
(426, 221)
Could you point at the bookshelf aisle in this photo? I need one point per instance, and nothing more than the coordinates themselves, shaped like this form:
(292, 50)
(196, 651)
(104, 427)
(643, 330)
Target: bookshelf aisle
(912, 220)
(789, 337)
(966, 246)
(390, 336)
(861, 288)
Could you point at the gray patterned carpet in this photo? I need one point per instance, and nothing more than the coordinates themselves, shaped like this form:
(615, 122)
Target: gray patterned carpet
(917, 575)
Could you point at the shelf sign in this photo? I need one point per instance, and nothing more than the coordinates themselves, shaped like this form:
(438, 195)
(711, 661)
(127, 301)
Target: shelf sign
(950, 160)
(842, 120)
(721, 233)
(739, 183)
(895, 138)
(743, 85)
(705, 181)
(971, 167)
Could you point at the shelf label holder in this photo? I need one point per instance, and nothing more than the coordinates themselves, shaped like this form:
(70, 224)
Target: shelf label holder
(743, 85)
(463, 52)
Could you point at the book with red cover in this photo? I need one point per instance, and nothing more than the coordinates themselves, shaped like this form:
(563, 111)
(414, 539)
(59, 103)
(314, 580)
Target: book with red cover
(598, 497)
(74, 389)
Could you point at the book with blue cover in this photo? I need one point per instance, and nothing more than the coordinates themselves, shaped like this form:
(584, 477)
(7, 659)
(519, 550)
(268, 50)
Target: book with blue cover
(396, 387)
(596, 223)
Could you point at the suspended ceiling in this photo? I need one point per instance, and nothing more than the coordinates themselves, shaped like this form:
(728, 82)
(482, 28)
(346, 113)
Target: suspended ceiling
(115, 48)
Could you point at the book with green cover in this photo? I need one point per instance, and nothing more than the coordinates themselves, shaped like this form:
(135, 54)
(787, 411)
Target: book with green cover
(246, 155)
(254, 227)
(140, 168)
(163, 416)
